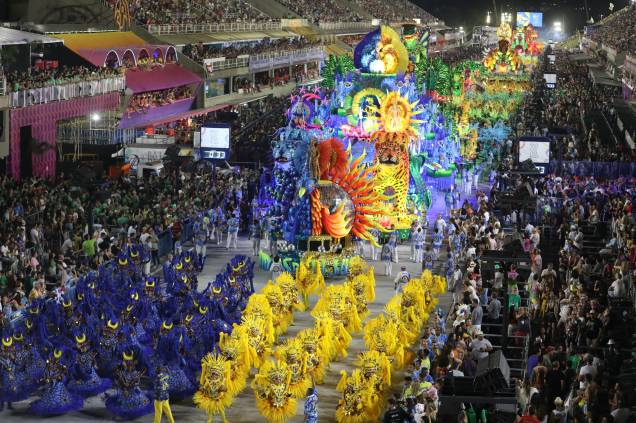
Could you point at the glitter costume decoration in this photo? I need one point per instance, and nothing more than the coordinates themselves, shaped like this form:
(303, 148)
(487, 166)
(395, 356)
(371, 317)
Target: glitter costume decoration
(309, 277)
(129, 400)
(213, 395)
(338, 301)
(85, 380)
(234, 350)
(295, 357)
(55, 399)
(356, 405)
(274, 400)
(281, 315)
(317, 349)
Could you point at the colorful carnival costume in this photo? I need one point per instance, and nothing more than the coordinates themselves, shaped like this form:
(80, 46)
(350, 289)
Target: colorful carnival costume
(338, 301)
(274, 400)
(162, 397)
(292, 300)
(356, 405)
(381, 335)
(251, 331)
(85, 380)
(292, 354)
(281, 314)
(56, 399)
(309, 277)
(10, 375)
(214, 395)
(363, 287)
(234, 350)
(317, 350)
(333, 334)
(129, 401)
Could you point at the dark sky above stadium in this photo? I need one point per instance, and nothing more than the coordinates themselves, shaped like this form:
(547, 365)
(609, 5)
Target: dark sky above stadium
(469, 13)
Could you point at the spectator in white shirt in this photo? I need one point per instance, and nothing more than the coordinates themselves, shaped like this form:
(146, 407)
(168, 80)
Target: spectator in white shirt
(481, 347)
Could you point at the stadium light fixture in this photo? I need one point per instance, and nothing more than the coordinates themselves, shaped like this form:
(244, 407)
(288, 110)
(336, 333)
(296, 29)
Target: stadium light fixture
(95, 117)
(558, 26)
(488, 17)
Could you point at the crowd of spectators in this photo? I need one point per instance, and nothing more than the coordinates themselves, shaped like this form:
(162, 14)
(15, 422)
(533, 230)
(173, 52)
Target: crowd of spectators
(402, 10)
(322, 10)
(45, 243)
(142, 102)
(457, 55)
(200, 51)
(575, 96)
(45, 77)
(352, 40)
(194, 12)
(618, 30)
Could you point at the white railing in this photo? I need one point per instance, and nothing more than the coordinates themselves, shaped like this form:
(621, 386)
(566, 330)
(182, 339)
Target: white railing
(187, 28)
(265, 61)
(329, 26)
(212, 65)
(69, 91)
(3, 85)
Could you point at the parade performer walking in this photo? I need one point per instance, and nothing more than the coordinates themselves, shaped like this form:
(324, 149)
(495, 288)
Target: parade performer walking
(162, 396)
(311, 406)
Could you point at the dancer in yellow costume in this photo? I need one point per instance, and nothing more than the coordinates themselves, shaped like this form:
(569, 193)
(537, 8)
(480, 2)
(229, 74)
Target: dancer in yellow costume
(363, 288)
(291, 293)
(294, 356)
(274, 400)
(234, 350)
(381, 335)
(213, 395)
(281, 315)
(334, 334)
(309, 277)
(317, 350)
(339, 302)
(357, 399)
(258, 307)
(258, 343)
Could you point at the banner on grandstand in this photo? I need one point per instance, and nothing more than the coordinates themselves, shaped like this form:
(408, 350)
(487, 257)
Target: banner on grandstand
(536, 149)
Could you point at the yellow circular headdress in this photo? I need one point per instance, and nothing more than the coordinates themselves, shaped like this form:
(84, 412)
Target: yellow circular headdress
(112, 325)
(67, 304)
(128, 356)
(7, 342)
(167, 326)
(179, 266)
(57, 353)
(80, 339)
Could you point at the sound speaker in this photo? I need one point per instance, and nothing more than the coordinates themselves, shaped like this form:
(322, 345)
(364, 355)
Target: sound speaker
(493, 372)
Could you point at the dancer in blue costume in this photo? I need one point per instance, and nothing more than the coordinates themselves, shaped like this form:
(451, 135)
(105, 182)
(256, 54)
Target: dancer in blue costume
(107, 349)
(170, 358)
(129, 400)
(56, 399)
(85, 381)
(9, 376)
(30, 365)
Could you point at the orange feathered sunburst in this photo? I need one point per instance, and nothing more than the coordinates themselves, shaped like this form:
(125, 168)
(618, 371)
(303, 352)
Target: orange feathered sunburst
(358, 181)
(332, 158)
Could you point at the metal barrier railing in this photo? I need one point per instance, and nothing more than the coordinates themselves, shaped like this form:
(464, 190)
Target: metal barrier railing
(30, 97)
(187, 28)
(3, 86)
(345, 25)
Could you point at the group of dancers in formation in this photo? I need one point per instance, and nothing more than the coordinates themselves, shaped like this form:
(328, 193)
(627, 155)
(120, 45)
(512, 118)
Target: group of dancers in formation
(118, 333)
(121, 333)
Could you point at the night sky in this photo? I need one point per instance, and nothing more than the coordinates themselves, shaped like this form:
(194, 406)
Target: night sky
(469, 13)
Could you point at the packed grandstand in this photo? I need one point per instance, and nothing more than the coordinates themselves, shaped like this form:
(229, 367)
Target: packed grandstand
(329, 210)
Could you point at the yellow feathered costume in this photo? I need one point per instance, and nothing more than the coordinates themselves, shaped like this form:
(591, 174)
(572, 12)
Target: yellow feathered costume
(291, 293)
(357, 399)
(317, 349)
(338, 301)
(309, 277)
(295, 357)
(281, 315)
(234, 350)
(333, 334)
(273, 398)
(213, 395)
(381, 334)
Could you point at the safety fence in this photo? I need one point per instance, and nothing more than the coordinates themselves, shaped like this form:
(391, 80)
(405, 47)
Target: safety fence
(605, 170)
(273, 60)
(30, 97)
(190, 28)
(331, 26)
